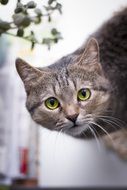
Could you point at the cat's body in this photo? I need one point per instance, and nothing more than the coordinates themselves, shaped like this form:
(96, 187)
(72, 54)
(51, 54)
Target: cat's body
(83, 93)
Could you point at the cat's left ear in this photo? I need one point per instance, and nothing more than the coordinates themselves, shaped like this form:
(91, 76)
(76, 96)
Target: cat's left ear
(90, 58)
(29, 75)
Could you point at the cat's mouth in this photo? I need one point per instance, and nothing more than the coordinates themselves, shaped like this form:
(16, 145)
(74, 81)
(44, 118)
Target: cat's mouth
(88, 131)
(77, 130)
(81, 131)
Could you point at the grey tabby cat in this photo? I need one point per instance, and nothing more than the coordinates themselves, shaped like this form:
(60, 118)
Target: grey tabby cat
(83, 94)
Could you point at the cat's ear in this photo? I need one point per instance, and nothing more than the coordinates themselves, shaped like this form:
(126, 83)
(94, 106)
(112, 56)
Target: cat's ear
(27, 73)
(90, 57)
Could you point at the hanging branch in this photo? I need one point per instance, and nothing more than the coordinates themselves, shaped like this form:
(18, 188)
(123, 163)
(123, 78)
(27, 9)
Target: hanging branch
(22, 19)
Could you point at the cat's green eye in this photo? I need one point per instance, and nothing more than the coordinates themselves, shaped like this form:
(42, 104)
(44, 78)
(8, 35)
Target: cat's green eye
(52, 103)
(83, 94)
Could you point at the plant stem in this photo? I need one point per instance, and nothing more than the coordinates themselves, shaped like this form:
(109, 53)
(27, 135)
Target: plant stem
(24, 38)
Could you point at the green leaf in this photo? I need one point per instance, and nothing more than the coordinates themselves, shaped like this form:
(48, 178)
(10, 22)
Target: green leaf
(56, 34)
(20, 32)
(32, 45)
(32, 37)
(38, 12)
(18, 19)
(47, 41)
(51, 1)
(20, 5)
(59, 7)
(31, 5)
(19, 10)
(49, 18)
(54, 31)
(26, 22)
(1, 31)
(4, 25)
(48, 8)
(21, 20)
(37, 20)
(4, 2)
(55, 40)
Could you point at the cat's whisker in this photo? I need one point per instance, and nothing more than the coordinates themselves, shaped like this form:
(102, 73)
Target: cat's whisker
(98, 136)
(110, 123)
(57, 135)
(59, 124)
(112, 117)
(106, 112)
(64, 130)
(88, 116)
(83, 132)
(64, 127)
(94, 134)
(103, 130)
(114, 120)
(58, 128)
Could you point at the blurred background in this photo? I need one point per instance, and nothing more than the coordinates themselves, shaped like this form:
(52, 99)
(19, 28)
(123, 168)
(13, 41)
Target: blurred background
(34, 156)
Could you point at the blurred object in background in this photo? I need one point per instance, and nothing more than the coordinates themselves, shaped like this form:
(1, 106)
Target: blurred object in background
(4, 106)
(4, 47)
(24, 161)
(18, 134)
(26, 182)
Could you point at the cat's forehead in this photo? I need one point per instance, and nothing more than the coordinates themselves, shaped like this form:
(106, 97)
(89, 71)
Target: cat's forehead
(62, 77)
(66, 78)
(81, 74)
(65, 83)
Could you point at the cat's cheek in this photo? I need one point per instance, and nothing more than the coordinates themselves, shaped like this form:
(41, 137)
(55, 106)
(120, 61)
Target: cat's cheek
(101, 104)
(86, 107)
(104, 101)
(45, 118)
(104, 97)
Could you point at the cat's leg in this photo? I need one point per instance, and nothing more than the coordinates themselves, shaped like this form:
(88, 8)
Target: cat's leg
(118, 143)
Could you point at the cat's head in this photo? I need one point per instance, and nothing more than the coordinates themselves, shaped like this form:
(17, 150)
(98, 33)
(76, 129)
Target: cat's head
(70, 98)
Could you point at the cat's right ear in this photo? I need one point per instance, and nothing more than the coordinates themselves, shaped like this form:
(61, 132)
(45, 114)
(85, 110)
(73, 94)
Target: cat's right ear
(90, 58)
(27, 73)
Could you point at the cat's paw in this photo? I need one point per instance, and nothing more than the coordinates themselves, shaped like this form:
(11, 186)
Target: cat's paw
(118, 143)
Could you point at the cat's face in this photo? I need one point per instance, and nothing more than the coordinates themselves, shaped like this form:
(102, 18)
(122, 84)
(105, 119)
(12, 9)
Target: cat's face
(70, 99)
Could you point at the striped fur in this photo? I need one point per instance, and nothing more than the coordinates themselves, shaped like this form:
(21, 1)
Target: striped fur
(100, 64)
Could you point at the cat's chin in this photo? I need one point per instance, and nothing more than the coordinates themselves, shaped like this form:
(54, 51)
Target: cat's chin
(78, 131)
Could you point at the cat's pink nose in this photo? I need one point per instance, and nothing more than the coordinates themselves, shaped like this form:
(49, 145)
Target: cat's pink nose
(72, 117)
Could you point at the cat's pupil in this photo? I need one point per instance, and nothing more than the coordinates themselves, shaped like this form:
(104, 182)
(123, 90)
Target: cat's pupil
(83, 92)
(52, 102)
